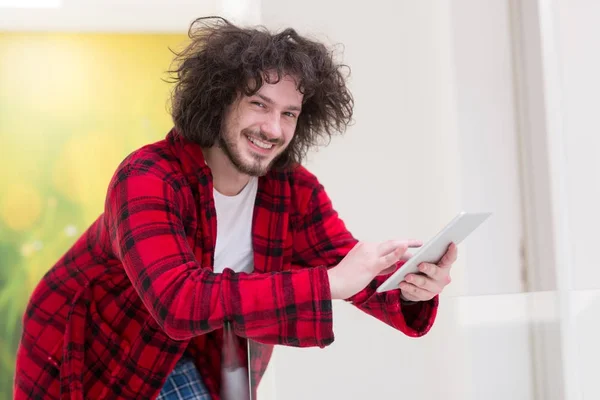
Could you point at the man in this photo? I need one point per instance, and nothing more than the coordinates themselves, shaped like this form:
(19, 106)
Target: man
(218, 225)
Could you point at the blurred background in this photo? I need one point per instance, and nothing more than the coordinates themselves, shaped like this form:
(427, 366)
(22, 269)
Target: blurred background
(460, 105)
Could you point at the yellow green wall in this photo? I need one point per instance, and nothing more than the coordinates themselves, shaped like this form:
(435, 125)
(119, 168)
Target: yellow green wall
(71, 107)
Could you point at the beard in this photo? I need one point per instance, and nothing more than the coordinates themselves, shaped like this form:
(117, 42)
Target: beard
(259, 165)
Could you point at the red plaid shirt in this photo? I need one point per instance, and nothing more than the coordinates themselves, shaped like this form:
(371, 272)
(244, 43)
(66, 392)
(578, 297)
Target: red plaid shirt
(137, 290)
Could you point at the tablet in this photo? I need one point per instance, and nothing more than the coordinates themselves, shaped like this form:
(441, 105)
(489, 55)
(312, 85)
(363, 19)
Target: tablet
(431, 252)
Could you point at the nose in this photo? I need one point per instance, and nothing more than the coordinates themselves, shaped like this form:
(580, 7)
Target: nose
(272, 126)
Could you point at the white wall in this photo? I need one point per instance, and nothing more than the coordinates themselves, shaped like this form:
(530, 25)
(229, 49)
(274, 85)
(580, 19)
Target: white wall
(576, 34)
(490, 176)
(488, 143)
(558, 79)
(434, 131)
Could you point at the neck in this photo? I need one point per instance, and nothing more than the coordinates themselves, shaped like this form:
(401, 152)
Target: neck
(227, 179)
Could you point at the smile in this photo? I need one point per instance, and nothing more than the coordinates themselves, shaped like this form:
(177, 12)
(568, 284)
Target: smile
(259, 143)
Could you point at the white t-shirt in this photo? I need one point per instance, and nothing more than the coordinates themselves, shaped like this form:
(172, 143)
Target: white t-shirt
(234, 229)
(234, 250)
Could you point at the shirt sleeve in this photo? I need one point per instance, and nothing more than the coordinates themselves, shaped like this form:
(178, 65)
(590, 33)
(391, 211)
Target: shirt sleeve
(144, 216)
(323, 239)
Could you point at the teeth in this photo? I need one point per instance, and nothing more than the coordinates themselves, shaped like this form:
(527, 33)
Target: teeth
(260, 143)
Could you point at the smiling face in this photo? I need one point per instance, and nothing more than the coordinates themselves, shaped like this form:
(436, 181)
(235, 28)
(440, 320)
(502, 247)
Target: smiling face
(258, 128)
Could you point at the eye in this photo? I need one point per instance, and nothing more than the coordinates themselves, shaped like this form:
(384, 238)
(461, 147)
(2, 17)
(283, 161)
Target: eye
(290, 114)
(259, 104)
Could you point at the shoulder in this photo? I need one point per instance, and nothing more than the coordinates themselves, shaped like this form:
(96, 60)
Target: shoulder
(151, 178)
(301, 178)
(306, 189)
(152, 171)
(152, 162)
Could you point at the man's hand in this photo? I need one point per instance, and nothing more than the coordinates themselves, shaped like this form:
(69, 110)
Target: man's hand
(363, 263)
(432, 280)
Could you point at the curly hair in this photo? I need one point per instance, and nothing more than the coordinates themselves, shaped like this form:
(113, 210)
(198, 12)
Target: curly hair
(223, 60)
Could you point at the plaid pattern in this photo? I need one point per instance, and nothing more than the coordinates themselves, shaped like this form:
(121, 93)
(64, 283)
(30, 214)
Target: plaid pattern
(184, 383)
(137, 289)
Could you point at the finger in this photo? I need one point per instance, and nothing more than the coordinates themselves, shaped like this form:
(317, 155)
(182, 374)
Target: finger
(393, 257)
(415, 293)
(394, 267)
(431, 270)
(390, 246)
(450, 257)
(436, 273)
(424, 282)
(412, 243)
(388, 270)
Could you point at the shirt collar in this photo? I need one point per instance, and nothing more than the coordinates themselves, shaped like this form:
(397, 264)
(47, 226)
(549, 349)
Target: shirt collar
(188, 153)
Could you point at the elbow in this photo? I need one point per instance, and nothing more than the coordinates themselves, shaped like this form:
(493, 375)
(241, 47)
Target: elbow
(174, 332)
(169, 323)
(179, 319)
(179, 330)
(172, 326)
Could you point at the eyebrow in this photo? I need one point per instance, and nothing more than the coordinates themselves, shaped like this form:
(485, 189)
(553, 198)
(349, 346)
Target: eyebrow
(271, 102)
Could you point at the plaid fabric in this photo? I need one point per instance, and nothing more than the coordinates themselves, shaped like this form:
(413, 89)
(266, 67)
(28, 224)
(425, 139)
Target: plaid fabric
(137, 289)
(184, 383)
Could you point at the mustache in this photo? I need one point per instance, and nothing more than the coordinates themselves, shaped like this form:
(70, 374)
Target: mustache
(262, 136)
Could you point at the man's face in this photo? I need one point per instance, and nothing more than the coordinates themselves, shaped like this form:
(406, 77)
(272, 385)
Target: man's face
(259, 128)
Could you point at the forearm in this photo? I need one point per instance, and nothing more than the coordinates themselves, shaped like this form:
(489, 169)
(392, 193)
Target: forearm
(288, 308)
